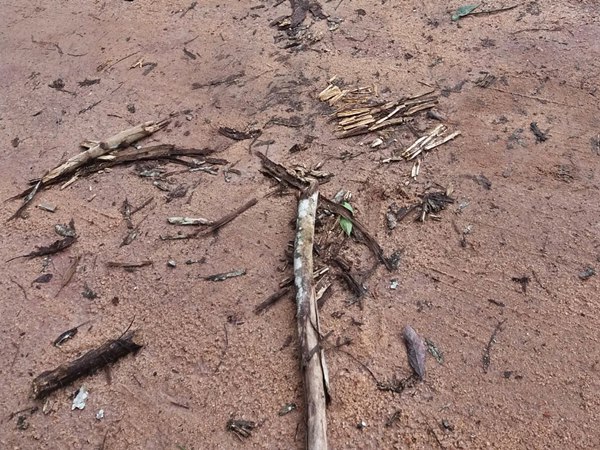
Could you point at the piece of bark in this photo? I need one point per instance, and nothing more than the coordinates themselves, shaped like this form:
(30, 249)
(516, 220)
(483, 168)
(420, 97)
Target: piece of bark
(415, 347)
(312, 356)
(109, 352)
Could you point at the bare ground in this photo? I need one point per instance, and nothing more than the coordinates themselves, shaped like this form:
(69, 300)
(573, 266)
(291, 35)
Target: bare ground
(204, 348)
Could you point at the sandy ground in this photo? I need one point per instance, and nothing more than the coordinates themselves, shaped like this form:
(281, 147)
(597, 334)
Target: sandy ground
(207, 357)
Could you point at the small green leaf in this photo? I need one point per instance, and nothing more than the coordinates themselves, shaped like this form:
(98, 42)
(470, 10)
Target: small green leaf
(463, 11)
(345, 224)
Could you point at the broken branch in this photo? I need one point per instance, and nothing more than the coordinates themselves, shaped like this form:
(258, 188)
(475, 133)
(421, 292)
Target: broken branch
(312, 356)
(109, 352)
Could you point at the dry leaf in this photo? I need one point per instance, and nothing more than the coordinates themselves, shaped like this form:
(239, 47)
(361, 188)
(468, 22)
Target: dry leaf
(416, 351)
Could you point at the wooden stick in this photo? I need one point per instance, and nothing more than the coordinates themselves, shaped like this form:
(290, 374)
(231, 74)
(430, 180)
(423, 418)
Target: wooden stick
(50, 380)
(122, 139)
(312, 356)
(94, 151)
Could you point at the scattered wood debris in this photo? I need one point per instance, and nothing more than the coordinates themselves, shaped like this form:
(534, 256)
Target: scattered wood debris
(486, 359)
(434, 202)
(241, 428)
(107, 353)
(425, 143)
(416, 350)
(358, 111)
(293, 179)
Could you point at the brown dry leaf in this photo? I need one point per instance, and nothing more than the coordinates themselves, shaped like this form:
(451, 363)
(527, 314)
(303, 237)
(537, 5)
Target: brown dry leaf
(416, 350)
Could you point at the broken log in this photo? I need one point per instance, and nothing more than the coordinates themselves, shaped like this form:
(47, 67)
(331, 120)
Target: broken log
(107, 353)
(312, 356)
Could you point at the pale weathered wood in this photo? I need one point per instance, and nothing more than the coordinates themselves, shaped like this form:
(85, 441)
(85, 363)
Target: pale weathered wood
(95, 150)
(312, 357)
(122, 139)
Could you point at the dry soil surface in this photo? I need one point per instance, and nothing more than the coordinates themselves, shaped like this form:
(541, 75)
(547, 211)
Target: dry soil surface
(524, 210)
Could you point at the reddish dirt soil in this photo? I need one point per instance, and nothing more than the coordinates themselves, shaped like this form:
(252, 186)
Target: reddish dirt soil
(204, 348)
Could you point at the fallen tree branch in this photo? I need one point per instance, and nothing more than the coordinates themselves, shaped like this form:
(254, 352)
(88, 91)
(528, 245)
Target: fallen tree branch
(94, 151)
(111, 351)
(312, 355)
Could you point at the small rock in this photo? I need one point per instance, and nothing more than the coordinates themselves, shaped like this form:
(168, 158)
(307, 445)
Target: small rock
(88, 292)
(100, 414)
(447, 425)
(47, 207)
(172, 263)
(587, 273)
(361, 425)
(286, 409)
(80, 398)
(22, 423)
(394, 284)
(131, 108)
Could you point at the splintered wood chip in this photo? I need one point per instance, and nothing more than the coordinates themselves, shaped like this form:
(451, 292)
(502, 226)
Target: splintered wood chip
(360, 111)
(188, 221)
(416, 350)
